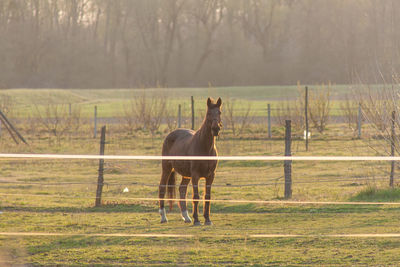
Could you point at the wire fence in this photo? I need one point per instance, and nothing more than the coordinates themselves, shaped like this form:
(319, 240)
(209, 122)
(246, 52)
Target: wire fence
(275, 181)
(151, 231)
(202, 158)
(233, 201)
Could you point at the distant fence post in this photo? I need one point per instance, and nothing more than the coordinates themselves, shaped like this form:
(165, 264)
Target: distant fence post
(392, 147)
(179, 116)
(306, 116)
(95, 122)
(269, 122)
(100, 179)
(359, 118)
(192, 101)
(288, 163)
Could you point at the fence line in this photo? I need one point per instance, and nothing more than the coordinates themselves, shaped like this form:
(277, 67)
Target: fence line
(274, 181)
(270, 202)
(225, 158)
(229, 158)
(244, 235)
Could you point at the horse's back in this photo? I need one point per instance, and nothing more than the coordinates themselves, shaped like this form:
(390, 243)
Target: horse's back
(176, 141)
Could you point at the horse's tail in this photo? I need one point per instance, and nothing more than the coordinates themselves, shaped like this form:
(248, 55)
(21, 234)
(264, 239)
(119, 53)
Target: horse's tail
(171, 189)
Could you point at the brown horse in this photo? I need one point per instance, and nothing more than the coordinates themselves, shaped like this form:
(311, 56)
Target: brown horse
(183, 142)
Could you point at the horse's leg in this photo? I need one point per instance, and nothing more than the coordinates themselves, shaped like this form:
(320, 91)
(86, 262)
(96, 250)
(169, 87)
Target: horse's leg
(166, 171)
(207, 197)
(182, 203)
(196, 198)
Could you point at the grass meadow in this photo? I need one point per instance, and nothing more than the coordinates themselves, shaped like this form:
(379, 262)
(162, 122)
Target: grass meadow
(57, 196)
(112, 102)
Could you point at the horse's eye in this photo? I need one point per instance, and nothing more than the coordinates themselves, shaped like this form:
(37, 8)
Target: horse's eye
(219, 112)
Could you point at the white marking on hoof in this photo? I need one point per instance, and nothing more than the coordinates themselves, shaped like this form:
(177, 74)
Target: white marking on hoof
(186, 217)
(163, 214)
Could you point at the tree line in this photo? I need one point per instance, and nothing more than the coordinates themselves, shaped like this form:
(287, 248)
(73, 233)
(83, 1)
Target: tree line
(187, 43)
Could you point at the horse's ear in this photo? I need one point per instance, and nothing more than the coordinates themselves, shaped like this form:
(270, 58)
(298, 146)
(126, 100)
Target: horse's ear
(209, 102)
(219, 102)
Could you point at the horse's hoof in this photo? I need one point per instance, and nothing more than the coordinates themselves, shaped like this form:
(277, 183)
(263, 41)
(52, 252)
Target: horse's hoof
(163, 215)
(186, 217)
(197, 223)
(208, 223)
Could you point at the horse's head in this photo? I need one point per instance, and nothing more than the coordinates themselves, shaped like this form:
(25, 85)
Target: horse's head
(214, 115)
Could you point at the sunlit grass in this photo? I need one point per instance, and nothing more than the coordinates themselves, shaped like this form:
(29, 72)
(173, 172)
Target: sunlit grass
(111, 103)
(375, 194)
(58, 196)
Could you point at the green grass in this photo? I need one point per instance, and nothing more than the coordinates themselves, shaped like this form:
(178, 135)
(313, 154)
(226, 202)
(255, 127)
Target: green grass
(68, 209)
(226, 243)
(205, 251)
(374, 194)
(57, 196)
(112, 103)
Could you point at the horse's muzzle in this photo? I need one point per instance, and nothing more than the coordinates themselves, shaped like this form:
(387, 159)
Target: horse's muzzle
(215, 130)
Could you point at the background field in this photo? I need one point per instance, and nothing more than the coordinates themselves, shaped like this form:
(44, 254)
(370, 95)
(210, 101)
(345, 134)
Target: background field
(57, 196)
(112, 101)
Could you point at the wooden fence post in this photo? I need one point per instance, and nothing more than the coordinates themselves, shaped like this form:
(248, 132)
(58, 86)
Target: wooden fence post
(359, 118)
(192, 100)
(100, 179)
(269, 122)
(306, 116)
(95, 122)
(179, 116)
(392, 148)
(288, 163)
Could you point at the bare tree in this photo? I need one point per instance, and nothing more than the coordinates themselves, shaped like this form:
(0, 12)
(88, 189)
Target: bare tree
(146, 113)
(170, 116)
(377, 107)
(291, 110)
(257, 19)
(129, 117)
(158, 28)
(349, 110)
(209, 14)
(319, 107)
(57, 121)
(236, 121)
(131, 43)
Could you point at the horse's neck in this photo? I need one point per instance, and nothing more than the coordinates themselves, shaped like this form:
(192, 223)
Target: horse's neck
(206, 138)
